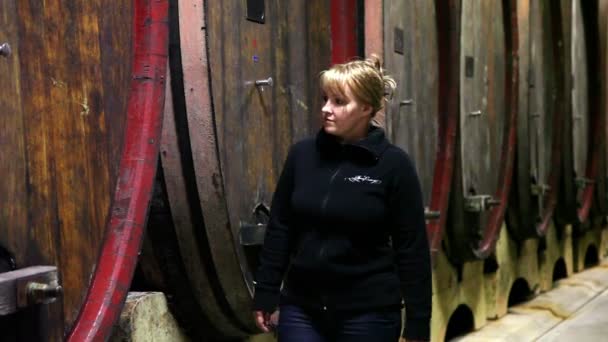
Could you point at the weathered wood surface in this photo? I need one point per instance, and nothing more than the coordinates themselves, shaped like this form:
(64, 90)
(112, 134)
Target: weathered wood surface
(588, 118)
(418, 44)
(602, 191)
(580, 92)
(13, 291)
(603, 37)
(482, 106)
(485, 143)
(236, 134)
(541, 93)
(411, 56)
(177, 244)
(580, 141)
(566, 213)
(256, 125)
(63, 100)
(537, 173)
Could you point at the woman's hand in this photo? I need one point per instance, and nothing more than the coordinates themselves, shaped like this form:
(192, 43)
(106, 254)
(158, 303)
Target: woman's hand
(266, 321)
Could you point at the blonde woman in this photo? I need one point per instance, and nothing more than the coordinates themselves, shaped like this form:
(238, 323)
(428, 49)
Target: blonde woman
(347, 225)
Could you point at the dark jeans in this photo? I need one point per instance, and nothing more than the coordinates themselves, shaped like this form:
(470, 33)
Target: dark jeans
(297, 324)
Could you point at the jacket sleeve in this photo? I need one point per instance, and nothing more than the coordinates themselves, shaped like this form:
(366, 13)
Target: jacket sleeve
(278, 240)
(410, 243)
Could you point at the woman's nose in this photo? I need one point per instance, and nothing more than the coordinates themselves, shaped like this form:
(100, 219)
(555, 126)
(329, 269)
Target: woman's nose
(326, 107)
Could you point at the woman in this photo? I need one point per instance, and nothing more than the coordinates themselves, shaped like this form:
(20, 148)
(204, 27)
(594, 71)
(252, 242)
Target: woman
(346, 239)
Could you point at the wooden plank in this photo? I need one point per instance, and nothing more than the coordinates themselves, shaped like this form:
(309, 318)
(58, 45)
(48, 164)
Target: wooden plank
(521, 212)
(229, 94)
(298, 84)
(37, 244)
(374, 17)
(395, 61)
(13, 164)
(253, 126)
(567, 205)
(538, 158)
(603, 16)
(412, 59)
(471, 68)
(580, 99)
(486, 138)
(318, 55)
(424, 72)
(66, 135)
(176, 159)
(482, 95)
(13, 287)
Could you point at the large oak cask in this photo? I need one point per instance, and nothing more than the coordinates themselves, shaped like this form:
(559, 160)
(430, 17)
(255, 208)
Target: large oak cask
(80, 97)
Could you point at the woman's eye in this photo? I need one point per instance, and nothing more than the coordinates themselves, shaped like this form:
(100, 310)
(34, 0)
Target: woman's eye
(324, 98)
(339, 101)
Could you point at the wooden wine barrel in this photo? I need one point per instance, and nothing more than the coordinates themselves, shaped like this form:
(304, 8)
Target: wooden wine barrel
(244, 88)
(582, 125)
(486, 139)
(81, 98)
(413, 119)
(603, 16)
(539, 122)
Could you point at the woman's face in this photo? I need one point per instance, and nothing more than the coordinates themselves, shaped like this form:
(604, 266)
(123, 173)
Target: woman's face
(344, 116)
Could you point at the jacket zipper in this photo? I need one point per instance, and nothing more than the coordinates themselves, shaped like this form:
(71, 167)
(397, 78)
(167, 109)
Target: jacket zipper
(326, 198)
(323, 210)
(324, 204)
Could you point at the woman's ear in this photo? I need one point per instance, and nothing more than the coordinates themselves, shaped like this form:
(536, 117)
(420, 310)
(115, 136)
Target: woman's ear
(367, 109)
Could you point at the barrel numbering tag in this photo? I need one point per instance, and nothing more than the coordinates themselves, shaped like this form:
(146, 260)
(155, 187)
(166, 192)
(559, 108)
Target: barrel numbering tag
(398, 41)
(255, 11)
(469, 66)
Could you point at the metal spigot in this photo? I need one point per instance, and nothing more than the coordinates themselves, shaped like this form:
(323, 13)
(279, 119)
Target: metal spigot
(43, 293)
(262, 83)
(479, 203)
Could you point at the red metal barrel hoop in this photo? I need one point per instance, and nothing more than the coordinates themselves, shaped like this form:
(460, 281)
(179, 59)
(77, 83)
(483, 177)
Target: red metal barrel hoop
(591, 33)
(343, 30)
(558, 55)
(118, 257)
(448, 121)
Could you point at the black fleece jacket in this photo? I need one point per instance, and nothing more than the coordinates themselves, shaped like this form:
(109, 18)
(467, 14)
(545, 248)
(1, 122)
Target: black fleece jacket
(347, 225)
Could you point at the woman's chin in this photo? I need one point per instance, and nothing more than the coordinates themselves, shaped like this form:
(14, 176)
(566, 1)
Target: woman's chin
(329, 129)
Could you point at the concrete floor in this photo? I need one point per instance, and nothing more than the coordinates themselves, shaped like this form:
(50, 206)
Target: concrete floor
(575, 310)
(588, 324)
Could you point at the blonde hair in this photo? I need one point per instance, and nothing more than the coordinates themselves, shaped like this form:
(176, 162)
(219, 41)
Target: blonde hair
(365, 78)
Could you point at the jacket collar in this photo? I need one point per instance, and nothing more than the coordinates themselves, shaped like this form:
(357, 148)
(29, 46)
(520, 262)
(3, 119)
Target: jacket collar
(373, 145)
